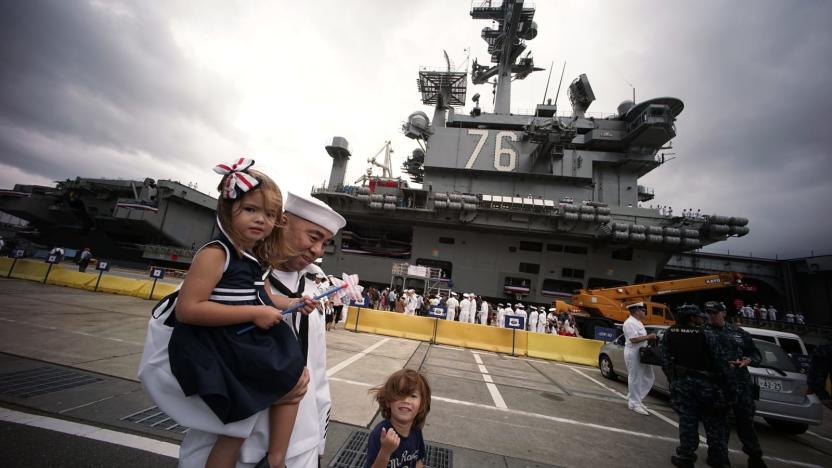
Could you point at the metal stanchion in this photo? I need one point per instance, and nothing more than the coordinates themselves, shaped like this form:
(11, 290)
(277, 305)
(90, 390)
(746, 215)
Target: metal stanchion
(17, 254)
(156, 274)
(51, 260)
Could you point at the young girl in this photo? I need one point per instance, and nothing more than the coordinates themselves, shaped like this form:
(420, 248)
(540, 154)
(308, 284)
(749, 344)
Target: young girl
(238, 374)
(397, 441)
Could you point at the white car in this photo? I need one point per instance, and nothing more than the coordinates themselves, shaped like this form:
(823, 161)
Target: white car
(785, 399)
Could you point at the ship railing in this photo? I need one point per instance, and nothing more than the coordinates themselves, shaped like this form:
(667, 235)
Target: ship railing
(563, 114)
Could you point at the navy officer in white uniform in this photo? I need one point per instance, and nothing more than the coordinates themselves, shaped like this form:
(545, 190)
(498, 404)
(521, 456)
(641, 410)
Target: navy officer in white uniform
(311, 224)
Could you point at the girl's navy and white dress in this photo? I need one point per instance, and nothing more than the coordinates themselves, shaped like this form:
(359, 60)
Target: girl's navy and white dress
(212, 378)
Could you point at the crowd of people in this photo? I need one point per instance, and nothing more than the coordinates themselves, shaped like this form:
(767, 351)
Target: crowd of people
(472, 308)
(760, 312)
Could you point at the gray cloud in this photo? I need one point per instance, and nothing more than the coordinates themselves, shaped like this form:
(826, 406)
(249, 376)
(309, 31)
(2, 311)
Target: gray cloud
(108, 90)
(86, 89)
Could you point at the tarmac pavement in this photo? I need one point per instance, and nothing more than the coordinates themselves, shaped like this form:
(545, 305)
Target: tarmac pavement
(487, 409)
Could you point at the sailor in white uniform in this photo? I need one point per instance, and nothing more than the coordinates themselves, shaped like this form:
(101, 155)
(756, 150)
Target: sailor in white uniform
(484, 313)
(639, 376)
(311, 224)
(533, 317)
(501, 312)
(472, 311)
(452, 304)
(520, 311)
(464, 308)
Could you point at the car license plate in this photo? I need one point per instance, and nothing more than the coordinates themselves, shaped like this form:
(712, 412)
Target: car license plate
(772, 385)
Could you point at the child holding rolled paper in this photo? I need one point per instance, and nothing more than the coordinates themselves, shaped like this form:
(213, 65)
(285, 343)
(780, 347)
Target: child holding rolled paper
(236, 374)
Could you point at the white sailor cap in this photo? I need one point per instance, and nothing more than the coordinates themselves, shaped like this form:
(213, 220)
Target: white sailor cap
(532, 308)
(552, 309)
(521, 306)
(500, 304)
(453, 293)
(315, 211)
(636, 305)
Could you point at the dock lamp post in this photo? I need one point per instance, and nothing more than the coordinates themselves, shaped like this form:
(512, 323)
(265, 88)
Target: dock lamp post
(156, 274)
(51, 260)
(101, 266)
(15, 255)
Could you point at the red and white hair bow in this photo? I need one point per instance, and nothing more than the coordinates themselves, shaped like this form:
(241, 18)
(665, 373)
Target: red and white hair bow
(237, 181)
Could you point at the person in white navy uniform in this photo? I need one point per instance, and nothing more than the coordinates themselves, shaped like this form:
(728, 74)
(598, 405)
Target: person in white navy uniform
(452, 304)
(534, 315)
(640, 376)
(464, 308)
(311, 224)
(484, 313)
(520, 311)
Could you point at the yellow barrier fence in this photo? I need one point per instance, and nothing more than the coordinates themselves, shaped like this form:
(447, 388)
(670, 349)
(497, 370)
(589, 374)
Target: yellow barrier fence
(392, 324)
(564, 348)
(64, 275)
(478, 336)
(474, 336)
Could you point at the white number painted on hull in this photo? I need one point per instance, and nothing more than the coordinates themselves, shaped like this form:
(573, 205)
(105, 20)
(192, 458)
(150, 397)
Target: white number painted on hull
(499, 150)
(483, 134)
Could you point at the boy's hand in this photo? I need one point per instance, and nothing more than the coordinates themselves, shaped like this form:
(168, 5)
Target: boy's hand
(389, 441)
(266, 317)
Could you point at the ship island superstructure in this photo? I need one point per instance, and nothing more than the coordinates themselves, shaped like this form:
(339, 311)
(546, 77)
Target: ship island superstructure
(526, 207)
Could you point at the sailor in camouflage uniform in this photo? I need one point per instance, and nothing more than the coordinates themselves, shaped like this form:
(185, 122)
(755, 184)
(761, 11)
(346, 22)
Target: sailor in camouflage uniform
(701, 386)
(743, 354)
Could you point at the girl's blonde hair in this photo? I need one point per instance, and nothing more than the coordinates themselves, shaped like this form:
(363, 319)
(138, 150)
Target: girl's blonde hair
(274, 245)
(400, 385)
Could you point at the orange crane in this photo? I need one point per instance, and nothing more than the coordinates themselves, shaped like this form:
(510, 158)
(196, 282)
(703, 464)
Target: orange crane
(611, 303)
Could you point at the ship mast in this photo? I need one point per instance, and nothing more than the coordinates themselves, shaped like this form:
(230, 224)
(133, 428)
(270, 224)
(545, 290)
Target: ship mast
(505, 44)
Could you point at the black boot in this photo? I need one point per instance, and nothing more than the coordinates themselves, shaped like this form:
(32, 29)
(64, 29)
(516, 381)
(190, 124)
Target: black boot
(756, 462)
(681, 462)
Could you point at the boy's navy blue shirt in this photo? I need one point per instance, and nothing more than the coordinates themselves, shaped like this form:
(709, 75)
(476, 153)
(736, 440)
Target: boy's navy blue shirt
(410, 450)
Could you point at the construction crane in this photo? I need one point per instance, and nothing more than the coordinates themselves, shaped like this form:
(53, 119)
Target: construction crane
(386, 166)
(610, 304)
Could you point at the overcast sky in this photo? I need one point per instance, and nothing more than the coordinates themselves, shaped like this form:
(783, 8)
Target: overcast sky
(168, 89)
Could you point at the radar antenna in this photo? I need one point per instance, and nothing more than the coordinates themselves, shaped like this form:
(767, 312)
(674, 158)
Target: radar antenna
(505, 44)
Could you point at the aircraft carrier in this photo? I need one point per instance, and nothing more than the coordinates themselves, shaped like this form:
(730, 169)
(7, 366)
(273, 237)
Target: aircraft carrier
(527, 207)
(136, 221)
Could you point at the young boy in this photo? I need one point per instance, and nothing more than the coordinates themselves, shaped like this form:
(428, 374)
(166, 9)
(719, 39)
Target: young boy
(397, 441)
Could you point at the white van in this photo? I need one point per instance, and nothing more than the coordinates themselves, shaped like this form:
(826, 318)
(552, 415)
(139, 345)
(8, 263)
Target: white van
(791, 343)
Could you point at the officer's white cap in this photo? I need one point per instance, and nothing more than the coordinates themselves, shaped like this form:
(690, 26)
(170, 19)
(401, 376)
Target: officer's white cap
(636, 305)
(453, 293)
(521, 306)
(315, 211)
(552, 309)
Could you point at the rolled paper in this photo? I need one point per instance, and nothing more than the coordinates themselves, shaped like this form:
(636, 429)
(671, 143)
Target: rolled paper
(300, 305)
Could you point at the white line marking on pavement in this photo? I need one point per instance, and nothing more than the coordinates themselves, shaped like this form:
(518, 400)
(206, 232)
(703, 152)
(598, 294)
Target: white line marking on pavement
(555, 419)
(819, 436)
(489, 383)
(91, 432)
(341, 365)
(351, 382)
(74, 332)
(654, 413)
